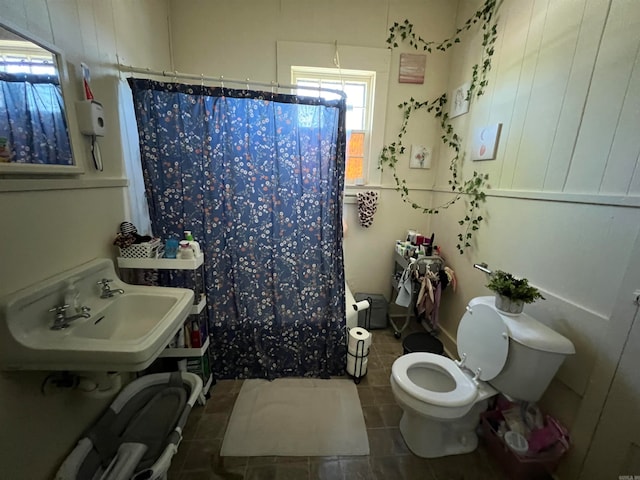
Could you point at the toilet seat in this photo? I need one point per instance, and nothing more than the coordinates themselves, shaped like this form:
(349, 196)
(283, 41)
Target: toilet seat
(464, 392)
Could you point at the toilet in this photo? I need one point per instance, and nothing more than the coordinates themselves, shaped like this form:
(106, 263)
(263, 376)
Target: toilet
(442, 399)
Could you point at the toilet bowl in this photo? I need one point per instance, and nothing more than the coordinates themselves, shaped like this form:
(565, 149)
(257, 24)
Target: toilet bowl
(442, 399)
(441, 404)
(433, 385)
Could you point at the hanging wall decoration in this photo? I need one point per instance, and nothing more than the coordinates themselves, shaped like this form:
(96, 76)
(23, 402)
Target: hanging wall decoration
(472, 188)
(412, 68)
(485, 142)
(420, 157)
(460, 100)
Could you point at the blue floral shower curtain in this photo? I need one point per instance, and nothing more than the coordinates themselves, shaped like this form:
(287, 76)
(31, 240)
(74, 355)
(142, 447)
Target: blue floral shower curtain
(33, 126)
(258, 178)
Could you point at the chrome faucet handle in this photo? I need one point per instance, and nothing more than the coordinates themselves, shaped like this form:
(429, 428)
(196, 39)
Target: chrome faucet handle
(60, 309)
(60, 321)
(107, 292)
(105, 286)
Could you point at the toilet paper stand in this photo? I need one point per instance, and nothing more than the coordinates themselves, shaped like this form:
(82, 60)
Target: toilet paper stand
(359, 368)
(359, 359)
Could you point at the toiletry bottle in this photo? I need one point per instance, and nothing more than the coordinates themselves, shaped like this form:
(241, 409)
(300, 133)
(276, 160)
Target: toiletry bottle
(180, 339)
(72, 298)
(185, 252)
(196, 340)
(195, 246)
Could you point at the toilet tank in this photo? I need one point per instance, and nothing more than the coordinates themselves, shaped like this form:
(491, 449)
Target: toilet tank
(534, 356)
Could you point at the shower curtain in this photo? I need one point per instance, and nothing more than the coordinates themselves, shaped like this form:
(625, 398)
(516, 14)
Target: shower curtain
(33, 126)
(258, 178)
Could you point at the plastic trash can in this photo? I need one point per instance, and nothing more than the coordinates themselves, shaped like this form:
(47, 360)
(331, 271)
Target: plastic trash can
(422, 342)
(378, 316)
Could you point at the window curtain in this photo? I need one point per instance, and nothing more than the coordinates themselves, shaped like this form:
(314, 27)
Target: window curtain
(33, 125)
(258, 178)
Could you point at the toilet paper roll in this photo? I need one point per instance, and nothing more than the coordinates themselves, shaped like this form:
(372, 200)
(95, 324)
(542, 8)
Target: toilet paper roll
(353, 365)
(361, 305)
(355, 335)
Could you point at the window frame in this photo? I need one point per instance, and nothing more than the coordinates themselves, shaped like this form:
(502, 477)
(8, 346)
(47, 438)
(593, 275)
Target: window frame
(336, 75)
(322, 55)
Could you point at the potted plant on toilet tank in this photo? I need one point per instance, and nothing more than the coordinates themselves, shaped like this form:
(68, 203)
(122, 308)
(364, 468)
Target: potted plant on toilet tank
(512, 292)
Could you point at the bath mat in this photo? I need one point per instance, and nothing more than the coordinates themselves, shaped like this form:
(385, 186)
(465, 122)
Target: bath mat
(296, 417)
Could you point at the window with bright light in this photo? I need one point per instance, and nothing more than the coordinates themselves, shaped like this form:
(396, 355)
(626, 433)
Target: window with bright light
(358, 85)
(22, 57)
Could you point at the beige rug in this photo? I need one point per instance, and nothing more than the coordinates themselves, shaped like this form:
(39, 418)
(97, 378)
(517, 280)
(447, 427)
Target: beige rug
(296, 417)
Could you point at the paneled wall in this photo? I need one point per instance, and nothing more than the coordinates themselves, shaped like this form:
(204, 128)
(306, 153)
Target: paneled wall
(564, 83)
(51, 225)
(563, 207)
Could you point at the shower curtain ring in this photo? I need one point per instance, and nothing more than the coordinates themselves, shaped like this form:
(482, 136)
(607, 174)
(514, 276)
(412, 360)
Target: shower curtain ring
(247, 83)
(222, 83)
(202, 80)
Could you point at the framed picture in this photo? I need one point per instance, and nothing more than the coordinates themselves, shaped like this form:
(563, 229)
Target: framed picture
(459, 104)
(420, 157)
(485, 142)
(412, 68)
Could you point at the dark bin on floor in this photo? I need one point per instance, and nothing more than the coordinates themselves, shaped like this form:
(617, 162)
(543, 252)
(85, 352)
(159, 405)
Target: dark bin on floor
(379, 314)
(422, 342)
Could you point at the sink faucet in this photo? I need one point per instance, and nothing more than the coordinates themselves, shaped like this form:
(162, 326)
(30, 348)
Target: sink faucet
(62, 321)
(107, 292)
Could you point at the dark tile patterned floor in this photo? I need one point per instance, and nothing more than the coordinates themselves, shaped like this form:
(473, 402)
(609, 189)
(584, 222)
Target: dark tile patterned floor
(389, 459)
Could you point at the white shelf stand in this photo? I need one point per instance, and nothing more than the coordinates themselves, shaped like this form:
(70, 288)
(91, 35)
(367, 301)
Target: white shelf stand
(197, 308)
(161, 263)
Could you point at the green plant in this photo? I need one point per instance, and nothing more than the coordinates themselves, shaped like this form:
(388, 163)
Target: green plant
(505, 284)
(473, 189)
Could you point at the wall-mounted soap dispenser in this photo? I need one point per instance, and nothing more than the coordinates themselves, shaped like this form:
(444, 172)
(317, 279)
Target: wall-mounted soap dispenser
(91, 118)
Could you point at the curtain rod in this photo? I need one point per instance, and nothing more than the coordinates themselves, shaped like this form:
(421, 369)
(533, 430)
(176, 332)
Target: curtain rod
(221, 80)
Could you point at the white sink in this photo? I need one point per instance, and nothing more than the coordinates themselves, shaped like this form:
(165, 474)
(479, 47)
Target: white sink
(126, 332)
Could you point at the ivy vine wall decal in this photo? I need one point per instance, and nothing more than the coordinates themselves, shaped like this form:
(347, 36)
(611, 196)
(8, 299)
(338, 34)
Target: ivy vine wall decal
(473, 188)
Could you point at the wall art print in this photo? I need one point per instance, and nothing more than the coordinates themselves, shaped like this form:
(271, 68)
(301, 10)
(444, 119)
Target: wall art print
(484, 145)
(459, 102)
(412, 68)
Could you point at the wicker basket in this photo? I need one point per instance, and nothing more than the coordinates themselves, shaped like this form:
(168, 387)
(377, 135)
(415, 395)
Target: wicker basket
(536, 467)
(142, 250)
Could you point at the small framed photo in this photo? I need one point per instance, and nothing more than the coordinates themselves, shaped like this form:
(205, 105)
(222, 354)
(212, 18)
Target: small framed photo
(412, 68)
(485, 142)
(420, 156)
(459, 102)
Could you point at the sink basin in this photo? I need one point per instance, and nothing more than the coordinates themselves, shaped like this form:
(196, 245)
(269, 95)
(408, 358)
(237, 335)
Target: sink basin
(145, 308)
(126, 332)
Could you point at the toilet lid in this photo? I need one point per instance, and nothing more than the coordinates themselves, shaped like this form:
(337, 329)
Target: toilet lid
(484, 338)
(464, 392)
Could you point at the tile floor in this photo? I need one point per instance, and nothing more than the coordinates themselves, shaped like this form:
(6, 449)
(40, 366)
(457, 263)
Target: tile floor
(390, 459)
